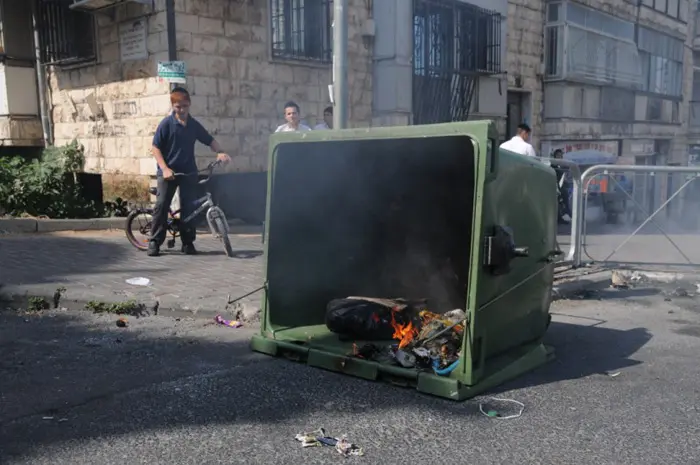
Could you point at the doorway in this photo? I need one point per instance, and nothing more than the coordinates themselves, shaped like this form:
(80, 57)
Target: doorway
(514, 113)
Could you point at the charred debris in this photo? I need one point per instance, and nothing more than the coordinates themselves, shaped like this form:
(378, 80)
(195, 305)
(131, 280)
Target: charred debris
(398, 331)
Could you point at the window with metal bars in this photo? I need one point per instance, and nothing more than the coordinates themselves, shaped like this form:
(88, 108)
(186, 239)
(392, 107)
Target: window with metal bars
(301, 29)
(67, 37)
(453, 44)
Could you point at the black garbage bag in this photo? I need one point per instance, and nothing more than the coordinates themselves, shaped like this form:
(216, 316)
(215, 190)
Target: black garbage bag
(360, 319)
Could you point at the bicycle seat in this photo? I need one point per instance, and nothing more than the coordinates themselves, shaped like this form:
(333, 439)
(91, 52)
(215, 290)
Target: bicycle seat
(153, 190)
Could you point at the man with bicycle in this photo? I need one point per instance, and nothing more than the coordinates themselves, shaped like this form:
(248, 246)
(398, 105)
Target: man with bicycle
(173, 149)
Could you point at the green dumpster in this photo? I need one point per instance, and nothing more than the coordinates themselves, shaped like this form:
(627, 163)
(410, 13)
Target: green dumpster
(438, 214)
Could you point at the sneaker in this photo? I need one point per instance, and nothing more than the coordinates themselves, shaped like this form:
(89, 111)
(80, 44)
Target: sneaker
(188, 249)
(153, 249)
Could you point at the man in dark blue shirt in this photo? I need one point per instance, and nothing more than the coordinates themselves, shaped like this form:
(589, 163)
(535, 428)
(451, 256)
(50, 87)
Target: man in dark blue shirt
(173, 149)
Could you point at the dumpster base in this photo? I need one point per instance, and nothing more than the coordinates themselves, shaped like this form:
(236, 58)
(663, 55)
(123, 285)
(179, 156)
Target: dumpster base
(499, 369)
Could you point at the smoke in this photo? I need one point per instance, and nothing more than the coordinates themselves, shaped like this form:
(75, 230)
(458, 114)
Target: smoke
(380, 218)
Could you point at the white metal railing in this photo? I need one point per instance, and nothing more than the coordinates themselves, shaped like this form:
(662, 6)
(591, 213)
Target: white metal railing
(579, 198)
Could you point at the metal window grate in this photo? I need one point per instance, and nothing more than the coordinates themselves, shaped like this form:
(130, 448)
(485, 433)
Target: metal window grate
(454, 44)
(301, 29)
(67, 37)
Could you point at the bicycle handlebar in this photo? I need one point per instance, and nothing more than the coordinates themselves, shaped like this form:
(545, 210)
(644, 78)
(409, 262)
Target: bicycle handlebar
(210, 167)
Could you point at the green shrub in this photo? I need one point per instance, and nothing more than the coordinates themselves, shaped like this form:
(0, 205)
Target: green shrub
(47, 186)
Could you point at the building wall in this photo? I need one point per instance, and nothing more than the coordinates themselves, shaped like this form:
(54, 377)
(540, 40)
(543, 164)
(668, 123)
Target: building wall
(573, 110)
(525, 58)
(238, 91)
(113, 107)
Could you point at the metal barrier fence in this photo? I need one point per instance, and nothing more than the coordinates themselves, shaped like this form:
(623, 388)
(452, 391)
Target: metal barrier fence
(650, 245)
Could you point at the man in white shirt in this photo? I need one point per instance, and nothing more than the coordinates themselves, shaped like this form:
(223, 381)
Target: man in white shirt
(293, 124)
(519, 143)
(327, 122)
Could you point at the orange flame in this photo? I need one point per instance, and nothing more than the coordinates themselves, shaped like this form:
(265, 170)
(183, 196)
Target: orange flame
(403, 333)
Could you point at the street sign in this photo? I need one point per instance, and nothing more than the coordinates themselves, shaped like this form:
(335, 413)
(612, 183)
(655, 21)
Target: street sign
(173, 71)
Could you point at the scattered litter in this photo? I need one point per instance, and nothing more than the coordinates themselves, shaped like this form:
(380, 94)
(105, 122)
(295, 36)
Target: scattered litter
(347, 448)
(230, 323)
(614, 374)
(491, 412)
(47, 418)
(122, 323)
(139, 281)
(320, 438)
(61, 420)
(618, 281)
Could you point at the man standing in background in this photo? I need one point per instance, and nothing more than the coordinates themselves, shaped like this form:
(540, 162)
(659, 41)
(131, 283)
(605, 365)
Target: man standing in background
(563, 186)
(327, 122)
(519, 143)
(291, 115)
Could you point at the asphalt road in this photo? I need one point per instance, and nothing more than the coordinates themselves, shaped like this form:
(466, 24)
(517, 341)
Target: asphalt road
(75, 389)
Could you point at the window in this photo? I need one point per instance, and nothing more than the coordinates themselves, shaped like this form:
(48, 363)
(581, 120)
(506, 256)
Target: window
(654, 109)
(662, 63)
(454, 43)
(301, 29)
(598, 47)
(674, 8)
(67, 37)
(16, 29)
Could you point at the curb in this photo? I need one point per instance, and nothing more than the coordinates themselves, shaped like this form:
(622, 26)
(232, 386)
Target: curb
(34, 225)
(248, 313)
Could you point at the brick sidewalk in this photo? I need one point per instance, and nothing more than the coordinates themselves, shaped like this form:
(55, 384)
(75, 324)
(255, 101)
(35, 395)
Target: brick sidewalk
(96, 266)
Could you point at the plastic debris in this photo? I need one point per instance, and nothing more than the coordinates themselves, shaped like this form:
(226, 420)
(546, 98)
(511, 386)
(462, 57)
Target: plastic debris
(310, 439)
(405, 359)
(320, 438)
(139, 281)
(456, 315)
(346, 448)
(122, 323)
(493, 413)
(230, 323)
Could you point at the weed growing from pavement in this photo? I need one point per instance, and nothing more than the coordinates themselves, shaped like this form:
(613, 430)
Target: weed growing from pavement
(36, 304)
(129, 307)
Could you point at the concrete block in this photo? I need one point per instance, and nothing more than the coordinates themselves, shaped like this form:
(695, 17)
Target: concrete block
(17, 225)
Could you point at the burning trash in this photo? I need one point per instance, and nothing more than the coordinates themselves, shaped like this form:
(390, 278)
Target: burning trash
(420, 339)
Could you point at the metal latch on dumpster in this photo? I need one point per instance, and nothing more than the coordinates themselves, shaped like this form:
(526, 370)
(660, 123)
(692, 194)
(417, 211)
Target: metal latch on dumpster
(500, 250)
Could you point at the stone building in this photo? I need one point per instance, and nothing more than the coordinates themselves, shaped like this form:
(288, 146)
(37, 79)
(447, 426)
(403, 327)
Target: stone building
(603, 75)
(409, 63)
(238, 73)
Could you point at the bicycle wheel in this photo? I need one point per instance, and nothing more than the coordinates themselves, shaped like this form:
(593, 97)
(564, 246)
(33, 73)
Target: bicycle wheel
(218, 223)
(140, 220)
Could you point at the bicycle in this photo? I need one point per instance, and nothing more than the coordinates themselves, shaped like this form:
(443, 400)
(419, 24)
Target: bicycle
(214, 215)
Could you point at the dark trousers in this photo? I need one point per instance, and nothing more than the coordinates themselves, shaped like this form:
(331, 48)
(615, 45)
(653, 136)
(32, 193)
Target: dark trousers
(164, 197)
(563, 201)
